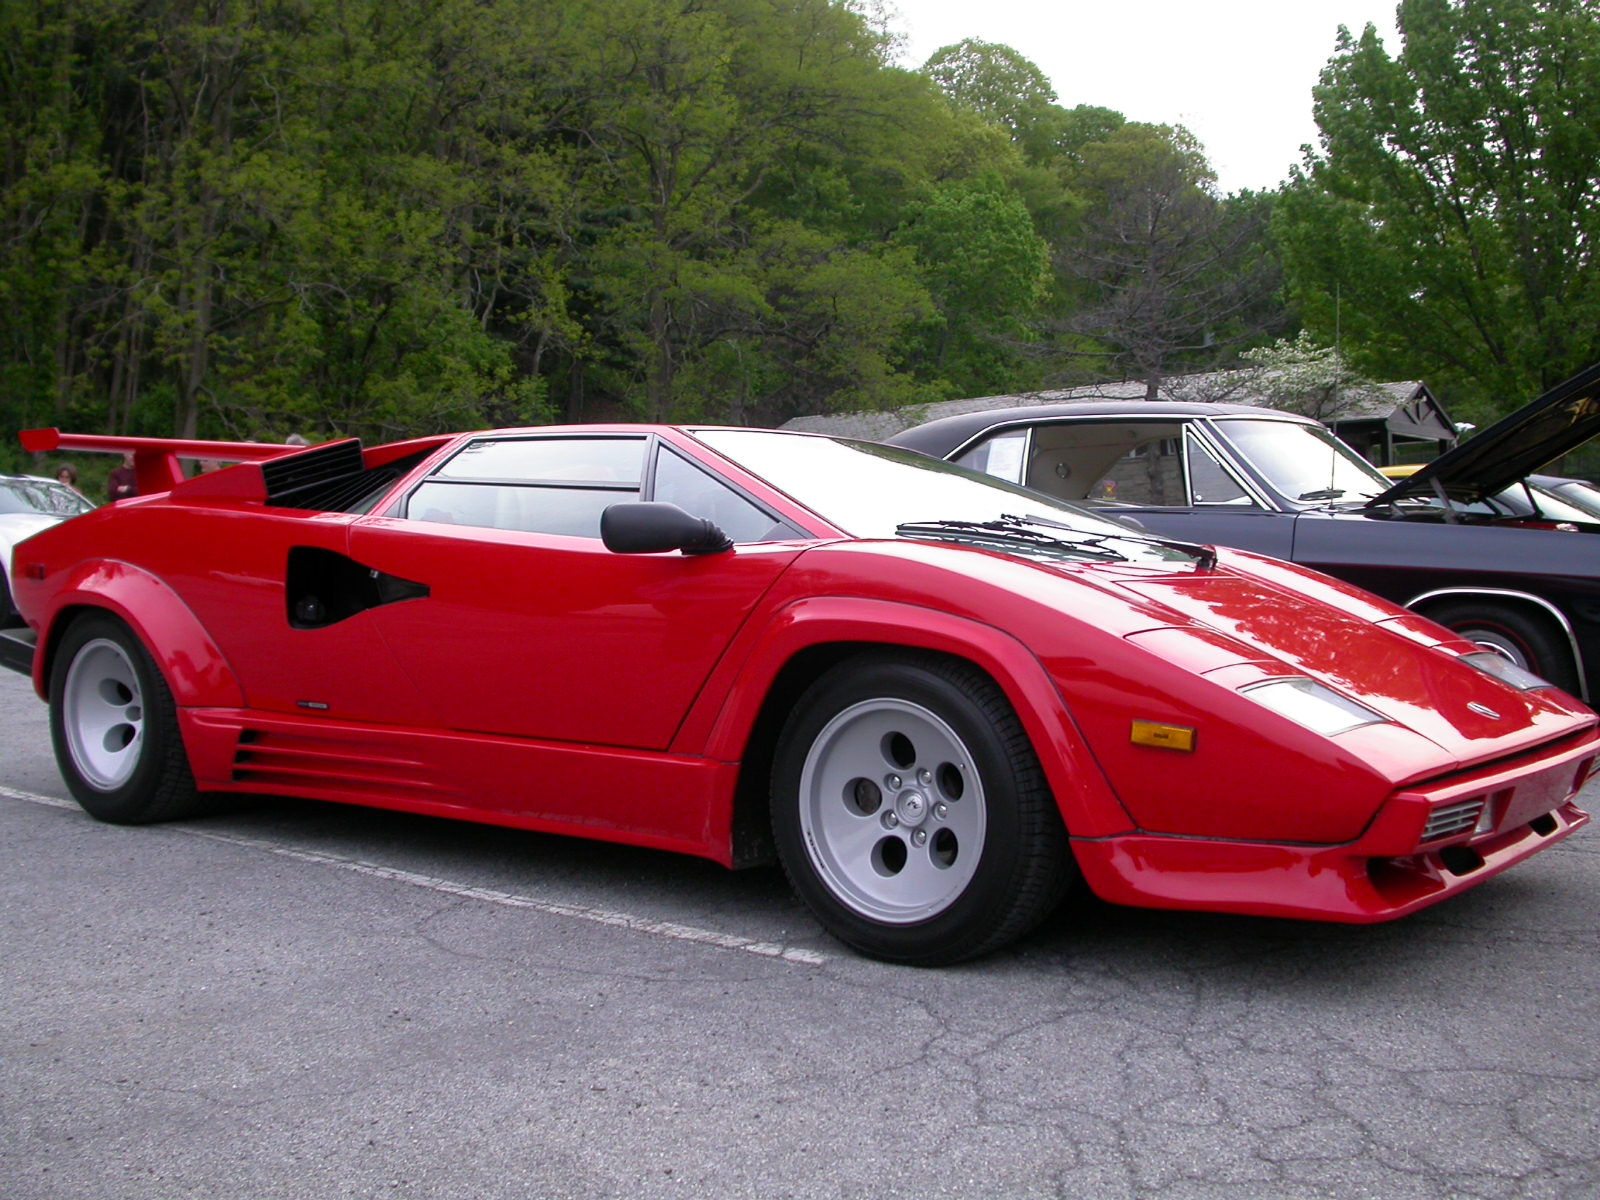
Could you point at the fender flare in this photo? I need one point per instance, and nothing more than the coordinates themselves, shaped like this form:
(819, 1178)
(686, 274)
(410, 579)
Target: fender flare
(195, 669)
(1087, 802)
(1512, 596)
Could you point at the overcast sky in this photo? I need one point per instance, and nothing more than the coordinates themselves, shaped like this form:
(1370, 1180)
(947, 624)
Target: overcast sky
(1238, 73)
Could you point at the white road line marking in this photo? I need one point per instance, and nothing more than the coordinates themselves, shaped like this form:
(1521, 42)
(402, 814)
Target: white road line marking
(35, 798)
(599, 916)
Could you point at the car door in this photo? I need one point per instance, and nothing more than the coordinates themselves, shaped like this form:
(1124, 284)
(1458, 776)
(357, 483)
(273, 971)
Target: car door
(529, 626)
(277, 592)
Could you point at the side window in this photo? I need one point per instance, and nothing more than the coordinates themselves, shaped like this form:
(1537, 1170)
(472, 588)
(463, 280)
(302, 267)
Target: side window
(1149, 473)
(1002, 456)
(555, 485)
(1209, 481)
(701, 494)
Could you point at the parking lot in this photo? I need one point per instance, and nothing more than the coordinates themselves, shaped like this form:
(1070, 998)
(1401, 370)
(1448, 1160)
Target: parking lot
(302, 1000)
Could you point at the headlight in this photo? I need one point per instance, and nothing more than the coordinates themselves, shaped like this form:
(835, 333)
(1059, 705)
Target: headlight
(1307, 702)
(1506, 671)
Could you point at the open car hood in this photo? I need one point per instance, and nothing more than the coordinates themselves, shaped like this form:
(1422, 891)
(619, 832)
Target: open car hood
(1510, 450)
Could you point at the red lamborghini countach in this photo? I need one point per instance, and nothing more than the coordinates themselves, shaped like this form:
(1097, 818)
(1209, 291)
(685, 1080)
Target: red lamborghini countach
(937, 698)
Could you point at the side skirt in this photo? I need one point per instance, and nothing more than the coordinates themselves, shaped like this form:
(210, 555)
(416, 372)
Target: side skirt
(638, 798)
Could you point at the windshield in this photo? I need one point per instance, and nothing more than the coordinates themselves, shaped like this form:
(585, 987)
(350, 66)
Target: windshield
(870, 491)
(1583, 496)
(1303, 462)
(1544, 502)
(36, 496)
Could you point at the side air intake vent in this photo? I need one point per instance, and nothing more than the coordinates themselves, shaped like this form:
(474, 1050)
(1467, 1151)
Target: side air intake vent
(301, 764)
(331, 478)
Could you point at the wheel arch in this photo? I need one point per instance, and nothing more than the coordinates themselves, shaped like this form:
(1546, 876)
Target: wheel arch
(194, 667)
(1526, 602)
(814, 635)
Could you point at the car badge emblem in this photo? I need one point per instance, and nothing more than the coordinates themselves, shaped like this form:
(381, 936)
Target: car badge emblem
(1483, 710)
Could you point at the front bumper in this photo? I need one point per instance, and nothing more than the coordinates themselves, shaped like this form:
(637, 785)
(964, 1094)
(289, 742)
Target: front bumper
(1389, 871)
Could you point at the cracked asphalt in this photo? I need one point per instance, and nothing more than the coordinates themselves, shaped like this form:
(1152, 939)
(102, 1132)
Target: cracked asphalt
(299, 1000)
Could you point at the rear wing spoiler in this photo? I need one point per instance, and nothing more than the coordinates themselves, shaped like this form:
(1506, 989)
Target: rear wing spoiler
(280, 474)
(155, 460)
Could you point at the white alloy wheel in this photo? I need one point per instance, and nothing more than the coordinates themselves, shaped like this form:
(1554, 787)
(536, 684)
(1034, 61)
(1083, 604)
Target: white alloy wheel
(892, 812)
(104, 715)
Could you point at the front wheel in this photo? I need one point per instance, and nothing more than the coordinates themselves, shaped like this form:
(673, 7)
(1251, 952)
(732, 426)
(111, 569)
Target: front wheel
(911, 814)
(115, 727)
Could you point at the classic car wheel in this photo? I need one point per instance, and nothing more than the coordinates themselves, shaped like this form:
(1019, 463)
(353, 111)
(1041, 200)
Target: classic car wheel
(911, 814)
(1512, 634)
(6, 609)
(115, 727)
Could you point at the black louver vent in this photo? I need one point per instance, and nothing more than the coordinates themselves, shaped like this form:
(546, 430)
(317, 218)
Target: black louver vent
(331, 478)
(300, 480)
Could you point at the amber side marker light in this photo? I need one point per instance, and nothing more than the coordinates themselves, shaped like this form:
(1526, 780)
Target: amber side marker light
(1168, 737)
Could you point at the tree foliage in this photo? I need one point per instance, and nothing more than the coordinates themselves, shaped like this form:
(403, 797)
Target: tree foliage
(243, 218)
(1448, 225)
(993, 80)
(248, 217)
(983, 264)
(1168, 277)
(1299, 376)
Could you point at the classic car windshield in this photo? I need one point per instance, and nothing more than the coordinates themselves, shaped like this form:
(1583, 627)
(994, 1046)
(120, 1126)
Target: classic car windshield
(1302, 462)
(1583, 496)
(1516, 501)
(40, 496)
(870, 491)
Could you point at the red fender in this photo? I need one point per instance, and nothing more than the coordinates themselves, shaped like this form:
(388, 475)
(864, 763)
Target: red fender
(195, 669)
(1087, 803)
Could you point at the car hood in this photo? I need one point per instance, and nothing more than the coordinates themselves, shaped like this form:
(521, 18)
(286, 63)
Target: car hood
(14, 527)
(1561, 420)
(1392, 662)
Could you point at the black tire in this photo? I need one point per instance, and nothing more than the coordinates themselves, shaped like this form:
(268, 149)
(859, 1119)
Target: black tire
(115, 727)
(1525, 638)
(911, 814)
(7, 610)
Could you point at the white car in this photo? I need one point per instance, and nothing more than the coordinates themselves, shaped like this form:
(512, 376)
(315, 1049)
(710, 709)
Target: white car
(29, 503)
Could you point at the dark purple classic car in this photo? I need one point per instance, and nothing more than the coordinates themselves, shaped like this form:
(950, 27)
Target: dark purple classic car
(1517, 579)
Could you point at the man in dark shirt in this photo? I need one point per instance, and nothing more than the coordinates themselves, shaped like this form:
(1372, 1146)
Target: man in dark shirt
(122, 482)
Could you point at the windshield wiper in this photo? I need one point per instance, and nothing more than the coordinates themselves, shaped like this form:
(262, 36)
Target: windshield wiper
(1324, 494)
(1010, 531)
(1204, 556)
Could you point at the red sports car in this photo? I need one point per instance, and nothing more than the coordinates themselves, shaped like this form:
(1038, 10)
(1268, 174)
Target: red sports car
(936, 697)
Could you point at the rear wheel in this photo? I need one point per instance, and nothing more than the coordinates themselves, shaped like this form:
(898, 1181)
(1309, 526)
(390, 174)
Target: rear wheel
(1526, 639)
(115, 727)
(911, 814)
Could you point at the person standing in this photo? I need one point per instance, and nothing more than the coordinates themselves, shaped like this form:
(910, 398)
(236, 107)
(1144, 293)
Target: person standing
(123, 482)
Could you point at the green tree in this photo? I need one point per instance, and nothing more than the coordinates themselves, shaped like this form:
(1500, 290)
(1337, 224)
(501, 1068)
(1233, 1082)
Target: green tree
(1167, 276)
(701, 265)
(1447, 226)
(993, 80)
(259, 216)
(245, 218)
(987, 270)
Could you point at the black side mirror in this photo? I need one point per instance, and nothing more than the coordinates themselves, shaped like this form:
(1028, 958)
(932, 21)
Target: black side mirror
(652, 526)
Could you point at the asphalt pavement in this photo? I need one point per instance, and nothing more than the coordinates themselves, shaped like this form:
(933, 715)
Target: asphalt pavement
(299, 1000)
